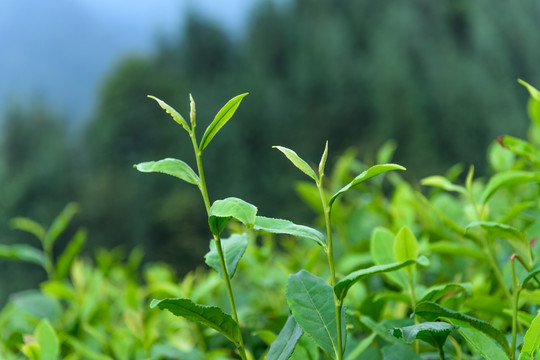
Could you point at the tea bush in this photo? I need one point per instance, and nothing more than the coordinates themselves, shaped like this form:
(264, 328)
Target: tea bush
(389, 269)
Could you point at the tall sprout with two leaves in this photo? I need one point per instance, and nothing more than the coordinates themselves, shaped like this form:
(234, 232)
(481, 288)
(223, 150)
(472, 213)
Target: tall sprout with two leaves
(317, 306)
(224, 253)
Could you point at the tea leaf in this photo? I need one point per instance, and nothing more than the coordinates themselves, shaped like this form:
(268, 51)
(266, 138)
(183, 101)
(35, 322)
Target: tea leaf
(533, 272)
(343, 286)
(482, 343)
(210, 316)
(224, 115)
(47, 340)
(359, 348)
(22, 252)
(520, 147)
(365, 175)
(73, 249)
(298, 162)
(468, 249)
(59, 225)
(431, 311)
(378, 328)
(322, 163)
(305, 349)
(399, 352)
(535, 94)
(222, 211)
(434, 293)
(381, 245)
(531, 341)
(29, 226)
(174, 114)
(508, 178)
(280, 226)
(311, 301)
(233, 249)
(434, 333)
(31, 348)
(37, 304)
(443, 183)
(173, 167)
(513, 236)
(283, 346)
(405, 245)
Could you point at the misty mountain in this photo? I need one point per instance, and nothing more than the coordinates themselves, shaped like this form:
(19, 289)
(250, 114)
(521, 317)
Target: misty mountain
(59, 51)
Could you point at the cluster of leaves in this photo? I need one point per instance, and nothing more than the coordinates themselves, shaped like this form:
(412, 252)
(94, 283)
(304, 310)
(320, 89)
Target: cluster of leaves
(397, 274)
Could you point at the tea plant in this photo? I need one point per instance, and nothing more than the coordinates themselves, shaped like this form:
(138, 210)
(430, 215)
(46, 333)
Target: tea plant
(317, 307)
(359, 293)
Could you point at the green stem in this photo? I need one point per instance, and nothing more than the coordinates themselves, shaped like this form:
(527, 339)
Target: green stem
(515, 302)
(330, 255)
(49, 264)
(457, 348)
(413, 305)
(206, 199)
(495, 268)
(441, 353)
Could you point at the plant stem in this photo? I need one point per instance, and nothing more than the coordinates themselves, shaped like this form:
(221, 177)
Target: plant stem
(206, 199)
(413, 305)
(515, 301)
(330, 255)
(495, 268)
(441, 353)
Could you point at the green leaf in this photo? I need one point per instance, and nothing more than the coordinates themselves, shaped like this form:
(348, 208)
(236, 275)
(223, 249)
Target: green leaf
(322, 163)
(28, 225)
(512, 235)
(222, 211)
(31, 350)
(221, 119)
(22, 252)
(173, 167)
(311, 301)
(434, 333)
(431, 311)
(378, 328)
(531, 274)
(535, 94)
(59, 225)
(48, 341)
(174, 114)
(405, 245)
(343, 286)
(520, 147)
(533, 105)
(434, 293)
(233, 249)
(36, 304)
(283, 347)
(468, 249)
(280, 226)
(359, 348)
(210, 316)
(305, 349)
(482, 343)
(298, 162)
(442, 183)
(381, 249)
(366, 175)
(73, 249)
(508, 178)
(399, 352)
(531, 341)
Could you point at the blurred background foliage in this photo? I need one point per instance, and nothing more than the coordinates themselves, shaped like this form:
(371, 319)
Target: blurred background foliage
(439, 78)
